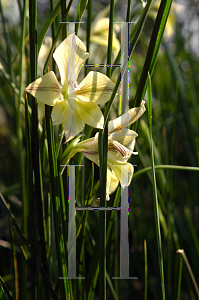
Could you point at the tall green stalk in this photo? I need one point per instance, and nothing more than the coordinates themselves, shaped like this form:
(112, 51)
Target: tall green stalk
(21, 154)
(54, 177)
(145, 271)
(153, 49)
(52, 17)
(134, 37)
(103, 150)
(36, 203)
(63, 13)
(35, 153)
(179, 279)
(88, 31)
(155, 198)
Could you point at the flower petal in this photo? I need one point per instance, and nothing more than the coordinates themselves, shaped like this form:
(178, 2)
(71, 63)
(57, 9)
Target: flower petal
(126, 119)
(90, 113)
(111, 183)
(60, 112)
(76, 126)
(117, 151)
(85, 145)
(92, 155)
(74, 50)
(124, 173)
(124, 136)
(95, 87)
(90, 149)
(46, 89)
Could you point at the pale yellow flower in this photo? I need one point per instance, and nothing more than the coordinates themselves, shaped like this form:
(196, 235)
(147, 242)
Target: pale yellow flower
(73, 103)
(121, 142)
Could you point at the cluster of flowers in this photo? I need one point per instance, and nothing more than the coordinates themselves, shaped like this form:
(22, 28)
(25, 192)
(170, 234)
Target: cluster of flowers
(76, 104)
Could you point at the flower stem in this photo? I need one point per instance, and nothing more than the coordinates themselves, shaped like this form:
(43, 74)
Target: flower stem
(36, 219)
(103, 150)
(54, 176)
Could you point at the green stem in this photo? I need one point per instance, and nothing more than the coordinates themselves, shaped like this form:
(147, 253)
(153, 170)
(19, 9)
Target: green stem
(171, 167)
(155, 198)
(46, 26)
(145, 270)
(21, 155)
(134, 37)
(63, 18)
(180, 278)
(181, 251)
(8, 46)
(54, 177)
(103, 150)
(35, 153)
(56, 37)
(88, 30)
(153, 49)
(5, 289)
(128, 13)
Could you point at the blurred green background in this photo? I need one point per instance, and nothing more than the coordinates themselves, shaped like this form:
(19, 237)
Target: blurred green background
(175, 90)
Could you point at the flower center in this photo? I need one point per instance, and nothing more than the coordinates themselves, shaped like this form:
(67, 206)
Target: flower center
(72, 86)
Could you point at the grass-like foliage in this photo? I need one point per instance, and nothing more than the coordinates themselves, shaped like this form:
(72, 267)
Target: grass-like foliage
(68, 160)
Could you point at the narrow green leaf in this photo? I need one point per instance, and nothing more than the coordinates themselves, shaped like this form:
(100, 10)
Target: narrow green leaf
(155, 198)
(56, 37)
(153, 49)
(54, 176)
(181, 251)
(47, 24)
(5, 289)
(88, 31)
(17, 229)
(80, 10)
(134, 36)
(145, 270)
(166, 167)
(179, 278)
(135, 32)
(7, 40)
(114, 295)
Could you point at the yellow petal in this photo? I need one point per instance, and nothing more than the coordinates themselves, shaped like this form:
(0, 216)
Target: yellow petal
(77, 146)
(124, 173)
(117, 151)
(46, 89)
(60, 112)
(92, 155)
(84, 145)
(74, 50)
(76, 125)
(111, 183)
(90, 113)
(95, 87)
(124, 136)
(126, 119)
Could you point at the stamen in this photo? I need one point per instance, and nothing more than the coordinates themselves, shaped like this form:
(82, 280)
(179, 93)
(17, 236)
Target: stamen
(123, 150)
(73, 85)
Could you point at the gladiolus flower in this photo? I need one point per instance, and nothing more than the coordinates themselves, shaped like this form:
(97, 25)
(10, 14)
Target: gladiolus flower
(73, 104)
(121, 142)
